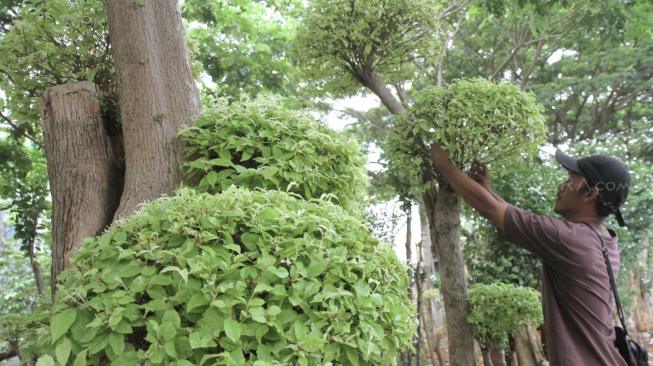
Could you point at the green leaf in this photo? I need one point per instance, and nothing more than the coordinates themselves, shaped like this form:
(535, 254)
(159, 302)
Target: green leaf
(171, 317)
(279, 271)
(232, 329)
(62, 352)
(197, 300)
(60, 323)
(258, 314)
(80, 359)
(117, 342)
(45, 360)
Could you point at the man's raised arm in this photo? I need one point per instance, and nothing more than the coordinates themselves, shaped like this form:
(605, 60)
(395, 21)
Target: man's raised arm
(481, 199)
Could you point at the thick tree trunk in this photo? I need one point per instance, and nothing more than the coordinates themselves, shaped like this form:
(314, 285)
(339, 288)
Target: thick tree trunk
(84, 179)
(444, 219)
(157, 95)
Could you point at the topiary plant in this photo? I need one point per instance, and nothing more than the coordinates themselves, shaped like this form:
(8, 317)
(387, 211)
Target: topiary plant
(477, 121)
(239, 278)
(499, 310)
(260, 143)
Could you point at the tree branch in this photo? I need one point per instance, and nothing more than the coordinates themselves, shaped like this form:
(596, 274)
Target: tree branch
(20, 130)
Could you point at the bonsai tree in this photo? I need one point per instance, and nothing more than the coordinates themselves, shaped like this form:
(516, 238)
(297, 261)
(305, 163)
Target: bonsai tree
(478, 122)
(239, 278)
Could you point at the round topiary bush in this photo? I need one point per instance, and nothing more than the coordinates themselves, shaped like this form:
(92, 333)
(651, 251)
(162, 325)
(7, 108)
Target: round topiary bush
(239, 278)
(500, 310)
(261, 143)
(477, 121)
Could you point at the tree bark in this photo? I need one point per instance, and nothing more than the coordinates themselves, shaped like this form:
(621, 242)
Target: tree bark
(157, 96)
(497, 355)
(444, 219)
(36, 269)
(487, 358)
(376, 85)
(418, 285)
(84, 179)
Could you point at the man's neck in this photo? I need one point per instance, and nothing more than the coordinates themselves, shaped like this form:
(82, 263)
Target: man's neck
(584, 217)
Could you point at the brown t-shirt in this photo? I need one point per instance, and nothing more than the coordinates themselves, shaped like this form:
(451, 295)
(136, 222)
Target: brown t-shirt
(576, 295)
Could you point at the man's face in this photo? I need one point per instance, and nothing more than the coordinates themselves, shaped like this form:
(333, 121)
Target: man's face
(570, 195)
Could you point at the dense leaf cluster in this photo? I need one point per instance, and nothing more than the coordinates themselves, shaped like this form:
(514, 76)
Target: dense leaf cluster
(498, 311)
(261, 143)
(239, 278)
(475, 120)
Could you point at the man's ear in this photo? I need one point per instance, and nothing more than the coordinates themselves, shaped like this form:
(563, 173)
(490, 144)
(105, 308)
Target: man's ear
(593, 194)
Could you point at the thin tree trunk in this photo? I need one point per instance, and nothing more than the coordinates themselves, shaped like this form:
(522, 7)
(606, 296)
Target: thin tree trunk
(524, 351)
(157, 95)
(429, 346)
(376, 85)
(498, 356)
(487, 358)
(444, 217)
(84, 178)
(36, 269)
(411, 271)
(418, 284)
(430, 265)
(408, 245)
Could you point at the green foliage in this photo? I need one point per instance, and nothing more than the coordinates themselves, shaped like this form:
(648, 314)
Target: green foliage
(498, 311)
(239, 278)
(475, 120)
(243, 46)
(18, 330)
(51, 43)
(19, 294)
(340, 41)
(587, 62)
(262, 143)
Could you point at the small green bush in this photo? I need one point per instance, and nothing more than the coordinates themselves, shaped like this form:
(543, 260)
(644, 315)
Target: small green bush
(498, 311)
(239, 278)
(261, 143)
(477, 121)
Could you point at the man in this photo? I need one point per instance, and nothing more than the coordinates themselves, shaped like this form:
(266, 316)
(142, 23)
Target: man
(577, 298)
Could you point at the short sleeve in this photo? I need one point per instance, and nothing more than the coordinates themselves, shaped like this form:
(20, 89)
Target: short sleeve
(539, 234)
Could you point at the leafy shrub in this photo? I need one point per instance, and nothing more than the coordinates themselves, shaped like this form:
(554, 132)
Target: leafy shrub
(475, 120)
(240, 278)
(500, 310)
(261, 143)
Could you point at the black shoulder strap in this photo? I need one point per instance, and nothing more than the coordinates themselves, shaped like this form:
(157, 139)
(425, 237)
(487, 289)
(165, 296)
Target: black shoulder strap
(612, 282)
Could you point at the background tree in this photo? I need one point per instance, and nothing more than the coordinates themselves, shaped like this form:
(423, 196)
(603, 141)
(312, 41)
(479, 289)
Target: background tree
(243, 46)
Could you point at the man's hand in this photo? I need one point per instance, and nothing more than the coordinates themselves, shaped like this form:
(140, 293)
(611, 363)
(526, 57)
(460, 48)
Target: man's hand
(480, 197)
(439, 155)
(481, 175)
